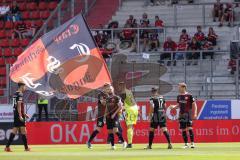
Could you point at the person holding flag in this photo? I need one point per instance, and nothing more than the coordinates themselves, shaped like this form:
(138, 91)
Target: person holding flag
(131, 110)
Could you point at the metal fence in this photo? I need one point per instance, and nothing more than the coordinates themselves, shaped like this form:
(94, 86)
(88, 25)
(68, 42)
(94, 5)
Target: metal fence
(206, 78)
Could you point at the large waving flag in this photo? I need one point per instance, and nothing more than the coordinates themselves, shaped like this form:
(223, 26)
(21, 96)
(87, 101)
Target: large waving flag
(64, 62)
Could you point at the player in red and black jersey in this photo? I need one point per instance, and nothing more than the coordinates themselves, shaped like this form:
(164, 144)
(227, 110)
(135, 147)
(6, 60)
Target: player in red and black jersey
(186, 103)
(114, 107)
(19, 124)
(102, 96)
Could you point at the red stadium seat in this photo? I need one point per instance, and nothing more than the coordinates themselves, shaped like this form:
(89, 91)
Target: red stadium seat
(43, 6)
(45, 14)
(7, 52)
(3, 71)
(52, 5)
(1, 24)
(8, 25)
(2, 34)
(3, 82)
(10, 60)
(2, 61)
(1, 92)
(9, 33)
(32, 6)
(35, 15)
(38, 23)
(24, 42)
(4, 43)
(25, 15)
(28, 23)
(17, 51)
(15, 42)
(22, 6)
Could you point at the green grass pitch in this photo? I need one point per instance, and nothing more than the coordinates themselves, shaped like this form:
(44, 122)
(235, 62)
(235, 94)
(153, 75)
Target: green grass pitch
(203, 151)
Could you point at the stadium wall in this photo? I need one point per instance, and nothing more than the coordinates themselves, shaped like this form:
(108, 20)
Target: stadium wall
(218, 121)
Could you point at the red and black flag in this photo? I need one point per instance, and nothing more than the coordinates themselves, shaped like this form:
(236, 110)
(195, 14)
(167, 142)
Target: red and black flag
(65, 61)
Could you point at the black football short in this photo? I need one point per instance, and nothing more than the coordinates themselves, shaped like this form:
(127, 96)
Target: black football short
(158, 121)
(100, 122)
(18, 123)
(112, 123)
(185, 121)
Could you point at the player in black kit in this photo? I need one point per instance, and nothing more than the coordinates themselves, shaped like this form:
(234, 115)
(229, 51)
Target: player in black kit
(157, 117)
(102, 96)
(19, 125)
(186, 103)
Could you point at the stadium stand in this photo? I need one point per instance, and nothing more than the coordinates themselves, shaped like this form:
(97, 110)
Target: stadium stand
(188, 17)
(175, 19)
(33, 14)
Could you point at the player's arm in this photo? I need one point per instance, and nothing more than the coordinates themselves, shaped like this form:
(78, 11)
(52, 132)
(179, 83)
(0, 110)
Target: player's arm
(151, 110)
(132, 98)
(194, 106)
(174, 106)
(19, 109)
(102, 100)
(120, 107)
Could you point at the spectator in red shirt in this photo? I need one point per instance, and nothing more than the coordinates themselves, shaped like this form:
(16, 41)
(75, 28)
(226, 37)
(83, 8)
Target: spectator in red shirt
(184, 36)
(217, 11)
(227, 15)
(182, 46)
(158, 22)
(199, 36)
(169, 45)
(212, 36)
(207, 46)
(232, 65)
(127, 34)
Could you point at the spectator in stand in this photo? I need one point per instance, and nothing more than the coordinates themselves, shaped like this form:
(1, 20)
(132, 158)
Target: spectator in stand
(217, 11)
(4, 9)
(112, 25)
(232, 65)
(23, 31)
(194, 46)
(176, 1)
(154, 2)
(212, 36)
(158, 22)
(207, 46)
(153, 41)
(144, 35)
(144, 21)
(169, 45)
(14, 14)
(182, 46)
(199, 36)
(185, 37)
(100, 38)
(132, 21)
(20, 28)
(227, 15)
(127, 34)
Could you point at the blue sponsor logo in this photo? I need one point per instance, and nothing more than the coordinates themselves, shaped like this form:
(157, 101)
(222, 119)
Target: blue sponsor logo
(216, 110)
